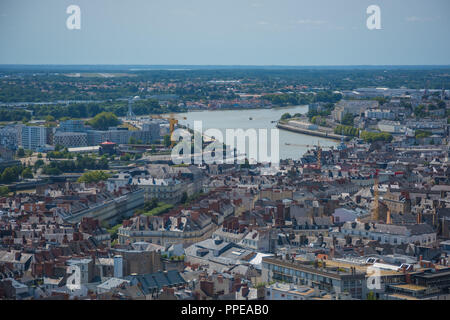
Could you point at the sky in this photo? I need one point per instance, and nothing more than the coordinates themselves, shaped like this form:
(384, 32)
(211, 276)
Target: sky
(225, 32)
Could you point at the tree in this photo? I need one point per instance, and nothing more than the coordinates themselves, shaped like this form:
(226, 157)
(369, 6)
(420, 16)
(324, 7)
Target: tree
(167, 141)
(376, 136)
(371, 296)
(104, 120)
(132, 140)
(39, 163)
(4, 190)
(184, 197)
(125, 157)
(286, 116)
(21, 153)
(422, 134)
(347, 119)
(93, 176)
(27, 173)
(420, 112)
(49, 118)
(9, 175)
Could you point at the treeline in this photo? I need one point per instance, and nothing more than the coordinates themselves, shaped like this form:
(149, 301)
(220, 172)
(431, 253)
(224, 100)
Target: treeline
(15, 173)
(365, 135)
(376, 136)
(90, 110)
(7, 114)
(78, 165)
(346, 130)
(86, 110)
(29, 88)
(301, 99)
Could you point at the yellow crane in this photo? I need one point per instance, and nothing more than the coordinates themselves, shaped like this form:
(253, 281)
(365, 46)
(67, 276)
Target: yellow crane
(173, 121)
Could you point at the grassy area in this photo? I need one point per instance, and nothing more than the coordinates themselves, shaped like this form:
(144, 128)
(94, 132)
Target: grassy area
(160, 209)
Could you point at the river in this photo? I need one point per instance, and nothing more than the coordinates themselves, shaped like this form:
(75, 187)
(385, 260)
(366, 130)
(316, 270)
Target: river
(261, 119)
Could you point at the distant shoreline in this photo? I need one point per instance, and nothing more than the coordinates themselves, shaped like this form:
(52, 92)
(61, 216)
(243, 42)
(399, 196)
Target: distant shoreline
(243, 109)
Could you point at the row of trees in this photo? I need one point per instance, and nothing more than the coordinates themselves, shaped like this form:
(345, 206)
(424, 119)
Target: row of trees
(365, 135)
(15, 173)
(376, 136)
(4, 191)
(422, 134)
(94, 176)
(78, 165)
(301, 99)
(85, 110)
(346, 130)
(7, 114)
(318, 120)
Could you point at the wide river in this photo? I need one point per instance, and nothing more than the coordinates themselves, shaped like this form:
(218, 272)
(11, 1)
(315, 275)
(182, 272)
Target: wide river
(261, 119)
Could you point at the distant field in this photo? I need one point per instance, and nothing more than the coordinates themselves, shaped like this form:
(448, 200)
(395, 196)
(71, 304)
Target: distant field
(98, 75)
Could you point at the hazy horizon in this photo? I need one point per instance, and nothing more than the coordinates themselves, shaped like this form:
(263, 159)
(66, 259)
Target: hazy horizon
(225, 33)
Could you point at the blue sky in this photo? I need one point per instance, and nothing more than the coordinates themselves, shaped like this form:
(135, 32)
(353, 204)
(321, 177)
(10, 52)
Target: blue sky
(231, 32)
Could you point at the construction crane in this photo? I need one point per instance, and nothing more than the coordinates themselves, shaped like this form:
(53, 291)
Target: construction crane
(172, 122)
(375, 210)
(317, 146)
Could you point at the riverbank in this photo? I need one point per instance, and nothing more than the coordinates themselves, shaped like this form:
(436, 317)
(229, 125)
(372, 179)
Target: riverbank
(261, 119)
(315, 133)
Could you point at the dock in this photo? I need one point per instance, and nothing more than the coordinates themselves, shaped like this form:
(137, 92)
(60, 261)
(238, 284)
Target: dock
(315, 133)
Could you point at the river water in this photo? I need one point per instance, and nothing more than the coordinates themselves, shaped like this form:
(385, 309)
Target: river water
(261, 119)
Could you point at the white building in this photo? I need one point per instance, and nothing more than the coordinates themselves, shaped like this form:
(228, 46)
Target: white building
(379, 114)
(34, 138)
(391, 126)
(390, 233)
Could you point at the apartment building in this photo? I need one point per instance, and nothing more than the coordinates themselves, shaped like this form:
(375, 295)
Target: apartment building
(389, 233)
(354, 107)
(332, 279)
(70, 139)
(34, 138)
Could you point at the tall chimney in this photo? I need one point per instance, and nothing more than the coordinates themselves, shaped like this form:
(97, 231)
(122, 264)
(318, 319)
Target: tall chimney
(388, 218)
